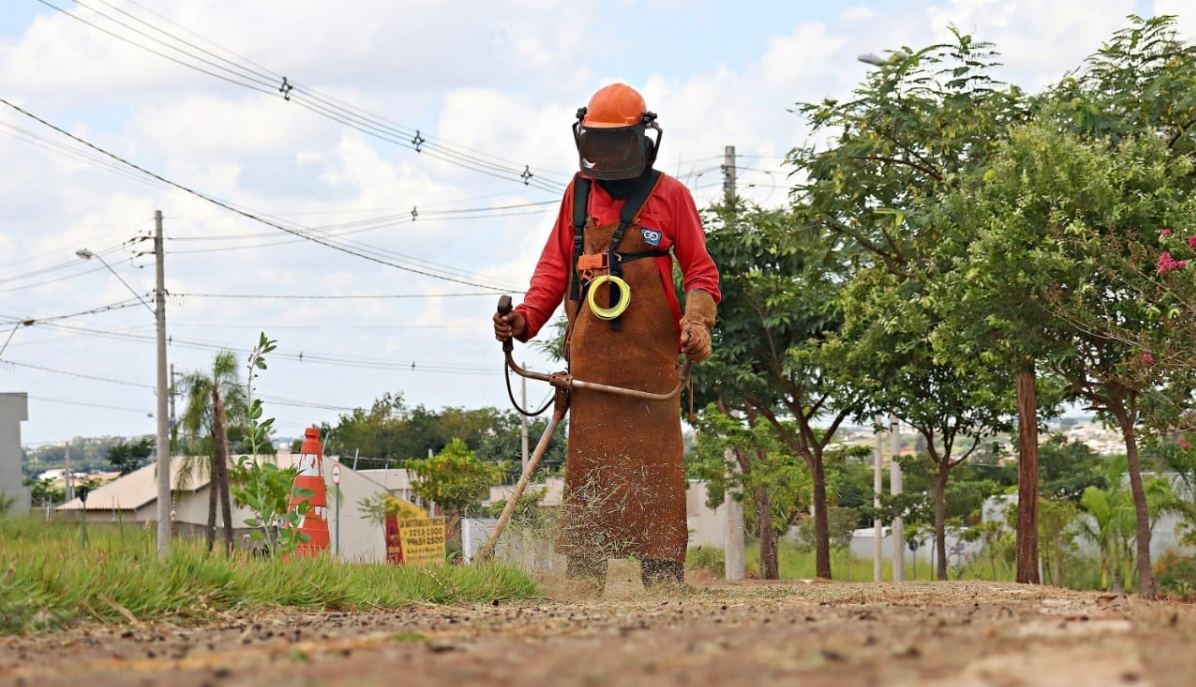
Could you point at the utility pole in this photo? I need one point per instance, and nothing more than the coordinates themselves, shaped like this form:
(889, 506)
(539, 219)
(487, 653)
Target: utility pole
(68, 475)
(878, 485)
(523, 428)
(173, 418)
(895, 489)
(164, 524)
(733, 535)
(729, 176)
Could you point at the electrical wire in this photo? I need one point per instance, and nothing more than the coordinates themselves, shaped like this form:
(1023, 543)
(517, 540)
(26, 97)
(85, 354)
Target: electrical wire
(103, 406)
(269, 398)
(250, 215)
(325, 106)
(302, 356)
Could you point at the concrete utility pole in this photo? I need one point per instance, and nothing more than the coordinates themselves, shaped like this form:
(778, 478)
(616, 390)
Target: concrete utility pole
(733, 563)
(523, 428)
(68, 475)
(733, 535)
(878, 485)
(729, 175)
(895, 489)
(164, 519)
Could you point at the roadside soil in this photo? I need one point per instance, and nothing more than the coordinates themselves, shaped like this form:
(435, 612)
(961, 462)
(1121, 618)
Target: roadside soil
(810, 634)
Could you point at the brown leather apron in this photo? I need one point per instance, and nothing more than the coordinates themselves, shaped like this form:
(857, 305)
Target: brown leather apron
(624, 479)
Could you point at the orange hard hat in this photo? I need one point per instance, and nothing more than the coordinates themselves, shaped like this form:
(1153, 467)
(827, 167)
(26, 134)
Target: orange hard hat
(613, 106)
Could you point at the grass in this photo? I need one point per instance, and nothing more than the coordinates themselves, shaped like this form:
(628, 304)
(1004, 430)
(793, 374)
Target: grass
(796, 564)
(48, 580)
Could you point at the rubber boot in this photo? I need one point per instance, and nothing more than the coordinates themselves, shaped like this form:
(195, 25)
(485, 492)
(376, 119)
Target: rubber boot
(591, 571)
(654, 572)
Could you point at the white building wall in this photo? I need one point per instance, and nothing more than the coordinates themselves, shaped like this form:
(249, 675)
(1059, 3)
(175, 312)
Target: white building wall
(14, 409)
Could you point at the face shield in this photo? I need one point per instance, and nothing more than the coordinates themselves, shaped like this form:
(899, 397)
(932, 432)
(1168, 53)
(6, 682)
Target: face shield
(613, 153)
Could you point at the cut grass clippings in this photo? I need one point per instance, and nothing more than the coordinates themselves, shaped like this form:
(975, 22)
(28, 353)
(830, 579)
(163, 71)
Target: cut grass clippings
(48, 579)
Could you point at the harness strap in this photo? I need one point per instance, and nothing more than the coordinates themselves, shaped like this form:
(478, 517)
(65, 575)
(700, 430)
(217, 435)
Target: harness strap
(581, 206)
(628, 214)
(641, 254)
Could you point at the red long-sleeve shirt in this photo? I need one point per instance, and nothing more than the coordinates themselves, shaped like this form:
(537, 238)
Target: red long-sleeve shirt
(670, 209)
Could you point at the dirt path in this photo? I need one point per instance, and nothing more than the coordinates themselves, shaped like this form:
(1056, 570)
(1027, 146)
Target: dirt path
(969, 634)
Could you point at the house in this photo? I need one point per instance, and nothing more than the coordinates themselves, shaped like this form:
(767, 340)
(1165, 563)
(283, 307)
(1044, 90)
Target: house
(14, 409)
(133, 499)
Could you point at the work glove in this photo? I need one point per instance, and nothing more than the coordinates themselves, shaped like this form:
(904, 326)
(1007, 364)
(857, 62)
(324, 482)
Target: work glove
(510, 325)
(700, 312)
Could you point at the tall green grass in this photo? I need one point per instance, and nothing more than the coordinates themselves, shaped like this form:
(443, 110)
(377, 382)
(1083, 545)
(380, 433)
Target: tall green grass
(47, 579)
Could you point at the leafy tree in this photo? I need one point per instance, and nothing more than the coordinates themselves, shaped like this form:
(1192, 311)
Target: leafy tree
(127, 456)
(751, 461)
(1056, 531)
(455, 480)
(921, 122)
(1060, 208)
(1068, 468)
(885, 352)
(45, 492)
(213, 398)
(782, 279)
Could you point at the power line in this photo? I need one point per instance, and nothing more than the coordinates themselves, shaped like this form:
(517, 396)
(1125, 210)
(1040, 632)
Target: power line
(247, 214)
(301, 356)
(103, 406)
(119, 305)
(78, 375)
(277, 400)
(325, 106)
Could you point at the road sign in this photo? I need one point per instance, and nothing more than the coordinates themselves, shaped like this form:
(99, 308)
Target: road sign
(336, 473)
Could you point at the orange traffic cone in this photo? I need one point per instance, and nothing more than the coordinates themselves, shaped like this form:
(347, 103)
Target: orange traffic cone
(311, 478)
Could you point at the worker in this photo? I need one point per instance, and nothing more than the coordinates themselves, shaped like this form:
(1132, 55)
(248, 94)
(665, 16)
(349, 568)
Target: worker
(609, 259)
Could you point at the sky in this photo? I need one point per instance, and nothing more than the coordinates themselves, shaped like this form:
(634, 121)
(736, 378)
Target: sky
(492, 85)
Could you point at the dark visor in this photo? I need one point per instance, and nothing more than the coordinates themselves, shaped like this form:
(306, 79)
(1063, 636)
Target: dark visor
(612, 153)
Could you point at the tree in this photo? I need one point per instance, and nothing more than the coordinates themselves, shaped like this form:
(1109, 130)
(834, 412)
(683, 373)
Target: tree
(1056, 532)
(912, 132)
(1068, 468)
(1060, 209)
(127, 456)
(455, 480)
(212, 400)
(886, 353)
(782, 279)
(777, 483)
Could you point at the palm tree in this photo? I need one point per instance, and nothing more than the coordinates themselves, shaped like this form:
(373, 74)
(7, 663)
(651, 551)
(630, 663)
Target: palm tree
(212, 400)
(1111, 525)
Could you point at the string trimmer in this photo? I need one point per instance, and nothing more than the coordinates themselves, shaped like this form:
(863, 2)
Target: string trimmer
(563, 383)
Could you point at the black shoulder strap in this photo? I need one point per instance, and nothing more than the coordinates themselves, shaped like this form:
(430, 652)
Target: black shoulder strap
(581, 207)
(629, 213)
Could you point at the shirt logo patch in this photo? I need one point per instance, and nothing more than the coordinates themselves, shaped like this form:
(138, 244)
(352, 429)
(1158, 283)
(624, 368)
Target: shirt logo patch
(651, 237)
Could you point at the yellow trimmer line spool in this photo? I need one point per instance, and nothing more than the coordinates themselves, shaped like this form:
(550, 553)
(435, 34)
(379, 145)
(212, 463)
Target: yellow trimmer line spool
(619, 307)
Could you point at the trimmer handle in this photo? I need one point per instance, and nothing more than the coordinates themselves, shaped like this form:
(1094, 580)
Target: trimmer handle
(504, 308)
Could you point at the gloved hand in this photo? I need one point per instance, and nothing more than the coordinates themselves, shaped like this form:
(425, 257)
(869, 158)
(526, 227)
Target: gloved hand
(510, 325)
(700, 312)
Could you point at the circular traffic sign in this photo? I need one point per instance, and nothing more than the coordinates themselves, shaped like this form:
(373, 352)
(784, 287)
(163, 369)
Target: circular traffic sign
(336, 473)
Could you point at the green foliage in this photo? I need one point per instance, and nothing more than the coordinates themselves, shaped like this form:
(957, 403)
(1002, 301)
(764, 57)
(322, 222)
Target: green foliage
(6, 503)
(127, 456)
(390, 432)
(454, 479)
(1067, 468)
(47, 582)
(706, 558)
(258, 484)
(769, 467)
(1176, 573)
(45, 491)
